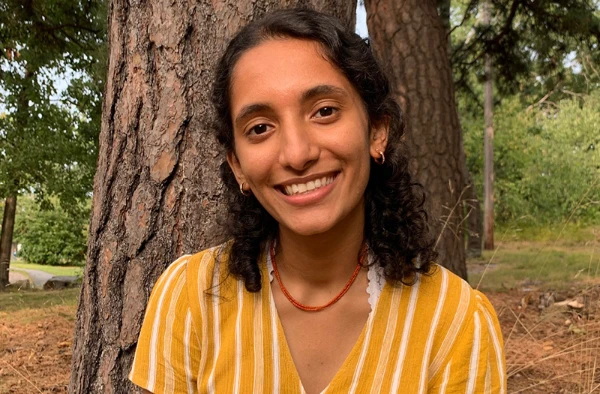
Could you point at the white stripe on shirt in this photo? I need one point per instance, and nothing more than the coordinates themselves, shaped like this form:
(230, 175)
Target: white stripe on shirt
(474, 364)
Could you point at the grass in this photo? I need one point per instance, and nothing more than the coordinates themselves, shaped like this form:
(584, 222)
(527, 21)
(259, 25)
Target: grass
(553, 257)
(570, 234)
(14, 300)
(527, 265)
(57, 270)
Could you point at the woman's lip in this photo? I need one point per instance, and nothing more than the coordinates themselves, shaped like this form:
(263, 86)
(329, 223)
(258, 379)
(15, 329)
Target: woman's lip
(310, 197)
(308, 178)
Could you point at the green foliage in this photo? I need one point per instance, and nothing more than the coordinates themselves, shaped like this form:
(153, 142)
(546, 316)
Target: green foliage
(48, 143)
(51, 236)
(534, 46)
(546, 161)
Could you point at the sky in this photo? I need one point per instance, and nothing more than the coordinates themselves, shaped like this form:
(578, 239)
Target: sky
(361, 20)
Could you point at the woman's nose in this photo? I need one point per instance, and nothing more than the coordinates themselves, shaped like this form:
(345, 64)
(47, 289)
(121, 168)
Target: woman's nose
(298, 149)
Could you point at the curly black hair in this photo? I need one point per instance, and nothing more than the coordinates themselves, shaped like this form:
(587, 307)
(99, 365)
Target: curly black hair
(396, 226)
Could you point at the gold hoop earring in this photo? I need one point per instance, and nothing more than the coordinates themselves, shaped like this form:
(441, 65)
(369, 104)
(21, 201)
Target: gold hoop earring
(244, 192)
(381, 159)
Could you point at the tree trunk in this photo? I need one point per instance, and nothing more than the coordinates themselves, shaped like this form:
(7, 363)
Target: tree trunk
(474, 218)
(488, 147)
(10, 207)
(444, 10)
(409, 38)
(472, 205)
(488, 160)
(157, 191)
(8, 226)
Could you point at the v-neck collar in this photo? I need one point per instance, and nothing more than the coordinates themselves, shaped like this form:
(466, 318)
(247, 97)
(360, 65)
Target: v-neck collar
(348, 366)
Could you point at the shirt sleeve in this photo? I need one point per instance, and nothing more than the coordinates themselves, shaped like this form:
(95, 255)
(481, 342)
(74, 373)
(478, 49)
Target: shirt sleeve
(477, 363)
(168, 351)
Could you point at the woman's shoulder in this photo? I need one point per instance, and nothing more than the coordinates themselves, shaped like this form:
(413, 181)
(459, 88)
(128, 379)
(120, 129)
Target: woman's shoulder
(442, 284)
(192, 275)
(454, 309)
(465, 327)
(451, 303)
(203, 265)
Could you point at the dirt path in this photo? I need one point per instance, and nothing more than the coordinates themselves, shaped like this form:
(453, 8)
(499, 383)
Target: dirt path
(15, 276)
(39, 278)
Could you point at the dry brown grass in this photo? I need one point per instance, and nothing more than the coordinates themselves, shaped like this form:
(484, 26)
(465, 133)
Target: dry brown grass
(550, 350)
(35, 349)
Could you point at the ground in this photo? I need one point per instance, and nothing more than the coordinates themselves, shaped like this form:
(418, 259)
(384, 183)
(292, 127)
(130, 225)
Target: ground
(550, 322)
(36, 335)
(556, 350)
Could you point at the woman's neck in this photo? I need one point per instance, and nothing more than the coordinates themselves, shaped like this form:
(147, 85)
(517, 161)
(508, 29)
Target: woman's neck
(324, 259)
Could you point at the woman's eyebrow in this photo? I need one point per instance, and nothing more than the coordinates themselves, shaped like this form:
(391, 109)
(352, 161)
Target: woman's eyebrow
(250, 110)
(320, 90)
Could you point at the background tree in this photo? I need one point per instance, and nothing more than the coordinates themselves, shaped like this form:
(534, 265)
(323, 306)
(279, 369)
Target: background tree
(545, 53)
(529, 43)
(157, 188)
(410, 39)
(488, 143)
(47, 145)
(472, 206)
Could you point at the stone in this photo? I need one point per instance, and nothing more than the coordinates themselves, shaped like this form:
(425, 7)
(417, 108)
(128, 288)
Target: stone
(61, 282)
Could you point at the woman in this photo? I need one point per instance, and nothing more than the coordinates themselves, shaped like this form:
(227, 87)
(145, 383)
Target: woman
(327, 283)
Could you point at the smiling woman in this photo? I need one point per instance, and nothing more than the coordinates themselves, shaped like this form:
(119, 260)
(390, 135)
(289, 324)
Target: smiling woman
(328, 283)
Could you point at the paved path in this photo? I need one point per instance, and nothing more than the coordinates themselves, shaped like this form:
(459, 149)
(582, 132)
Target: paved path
(14, 276)
(39, 278)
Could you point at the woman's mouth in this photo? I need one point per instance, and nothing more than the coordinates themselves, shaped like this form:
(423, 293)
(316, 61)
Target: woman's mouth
(302, 188)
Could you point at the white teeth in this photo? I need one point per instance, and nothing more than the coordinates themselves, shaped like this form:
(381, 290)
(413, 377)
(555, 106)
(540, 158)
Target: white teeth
(300, 188)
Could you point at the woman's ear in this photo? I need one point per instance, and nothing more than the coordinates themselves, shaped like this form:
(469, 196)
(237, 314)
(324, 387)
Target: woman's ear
(235, 166)
(379, 138)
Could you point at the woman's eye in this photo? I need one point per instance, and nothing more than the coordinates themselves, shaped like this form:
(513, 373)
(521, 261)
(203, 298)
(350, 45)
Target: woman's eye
(325, 112)
(259, 129)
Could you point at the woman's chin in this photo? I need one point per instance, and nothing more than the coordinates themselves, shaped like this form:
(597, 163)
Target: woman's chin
(306, 229)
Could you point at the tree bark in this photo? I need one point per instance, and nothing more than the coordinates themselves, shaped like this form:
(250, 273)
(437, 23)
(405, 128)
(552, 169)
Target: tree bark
(8, 226)
(474, 218)
(472, 210)
(444, 8)
(157, 191)
(409, 38)
(488, 158)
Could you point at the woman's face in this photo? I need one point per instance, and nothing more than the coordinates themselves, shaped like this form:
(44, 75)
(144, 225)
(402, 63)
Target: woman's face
(302, 143)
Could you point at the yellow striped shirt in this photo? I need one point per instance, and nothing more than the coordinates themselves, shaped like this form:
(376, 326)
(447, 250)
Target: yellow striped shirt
(204, 333)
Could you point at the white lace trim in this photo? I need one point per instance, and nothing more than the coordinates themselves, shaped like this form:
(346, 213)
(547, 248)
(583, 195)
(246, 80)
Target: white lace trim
(376, 282)
(374, 276)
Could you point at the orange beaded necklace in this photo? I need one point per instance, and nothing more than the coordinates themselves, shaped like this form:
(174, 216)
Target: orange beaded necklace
(307, 308)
